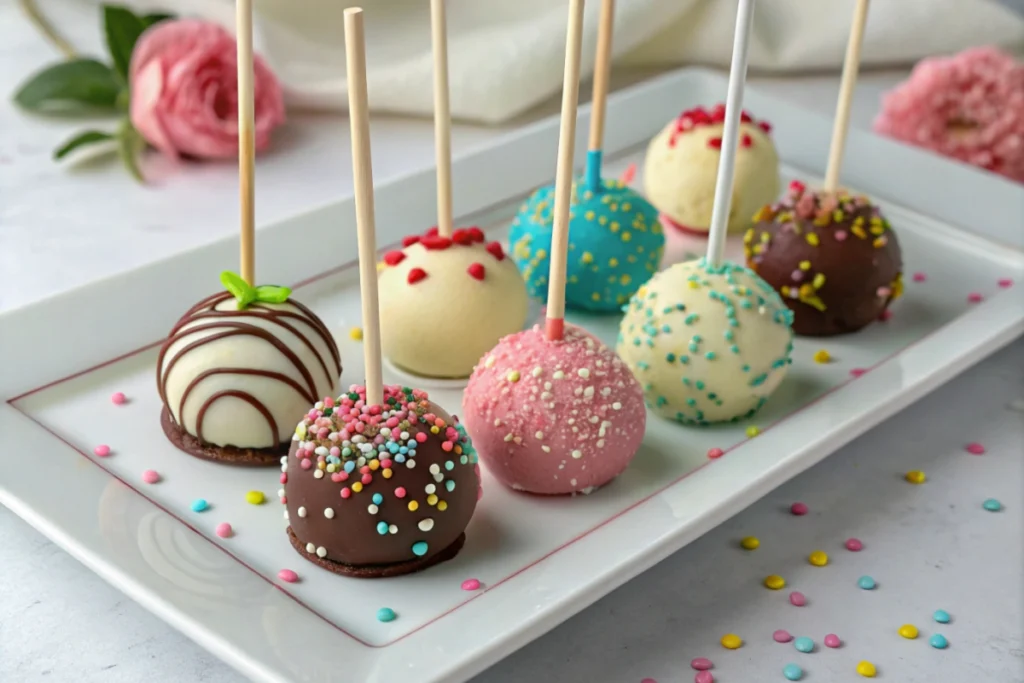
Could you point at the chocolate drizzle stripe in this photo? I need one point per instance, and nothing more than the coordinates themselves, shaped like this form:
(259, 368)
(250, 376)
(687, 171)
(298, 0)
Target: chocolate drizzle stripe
(248, 398)
(313, 320)
(309, 398)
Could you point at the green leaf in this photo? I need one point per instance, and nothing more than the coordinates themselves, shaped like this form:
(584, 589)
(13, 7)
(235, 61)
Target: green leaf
(83, 139)
(155, 18)
(121, 28)
(81, 85)
(272, 294)
(129, 145)
(239, 288)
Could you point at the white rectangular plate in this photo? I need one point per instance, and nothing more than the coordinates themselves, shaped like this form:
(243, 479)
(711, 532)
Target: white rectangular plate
(540, 560)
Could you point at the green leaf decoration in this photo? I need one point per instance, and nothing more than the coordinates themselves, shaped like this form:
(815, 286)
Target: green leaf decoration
(76, 86)
(129, 146)
(239, 288)
(121, 28)
(83, 139)
(272, 294)
(155, 18)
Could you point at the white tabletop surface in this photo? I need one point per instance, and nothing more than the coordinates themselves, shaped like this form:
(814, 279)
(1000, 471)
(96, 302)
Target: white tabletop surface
(928, 546)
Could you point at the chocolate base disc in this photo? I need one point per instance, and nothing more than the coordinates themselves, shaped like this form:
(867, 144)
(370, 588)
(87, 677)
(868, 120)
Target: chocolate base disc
(226, 455)
(378, 571)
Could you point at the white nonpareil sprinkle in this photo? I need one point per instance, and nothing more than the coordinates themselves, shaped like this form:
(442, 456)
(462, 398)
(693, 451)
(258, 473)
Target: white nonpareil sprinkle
(329, 513)
(616, 406)
(497, 422)
(286, 513)
(393, 529)
(588, 392)
(372, 509)
(318, 474)
(583, 372)
(508, 437)
(539, 435)
(546, 448)
(537, 371)
(577, 454)
(410, 464)
(284, 459)
(435, 468)
(440, 477)
(302, 512)
(558, 374)
(606, 391)
(426, 524)
(321, 552)
(489, 362)
(430, 488)
(280, 493)
(310, 548)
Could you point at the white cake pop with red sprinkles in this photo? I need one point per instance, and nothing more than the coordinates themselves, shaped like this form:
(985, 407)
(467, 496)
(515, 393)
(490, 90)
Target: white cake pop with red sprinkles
(445, 301)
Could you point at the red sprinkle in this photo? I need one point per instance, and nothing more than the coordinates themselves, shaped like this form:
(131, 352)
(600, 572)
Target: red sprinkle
(765, 126)
(973, 448)
(885, 315)
(974, 297)
(715, 143)
(436, 242)
(920, 277)
(288, 576)
(1005, 282)
(102, 450)
(854, 545)
(796, 187)
(471, 585)
(799, 509)
(746, 140)
(118, 398)
(416, 274)
(410, 240)
(393, 258)
(715, 453)
(495, 250)
(476, 271)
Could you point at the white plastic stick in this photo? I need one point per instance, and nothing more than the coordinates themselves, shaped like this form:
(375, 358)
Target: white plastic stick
(442, 118)
(730, 136)
(851, 66)
(246, 143)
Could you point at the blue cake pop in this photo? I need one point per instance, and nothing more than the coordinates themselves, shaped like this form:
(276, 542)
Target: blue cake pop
(615, 243)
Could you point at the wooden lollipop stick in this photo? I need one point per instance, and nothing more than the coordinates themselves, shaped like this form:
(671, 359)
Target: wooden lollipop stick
(442, 118)
(851, 65)
(730, 136)
(599, 97)
(362, 176)
(563, 174)
(246, 141)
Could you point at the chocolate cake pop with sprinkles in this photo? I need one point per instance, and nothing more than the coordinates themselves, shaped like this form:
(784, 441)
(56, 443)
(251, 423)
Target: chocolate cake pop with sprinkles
(379, 490)
(832, 256)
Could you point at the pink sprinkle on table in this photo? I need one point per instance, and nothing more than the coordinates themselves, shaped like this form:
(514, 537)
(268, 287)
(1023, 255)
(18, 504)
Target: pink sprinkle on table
(151, 476)
(224, 530)
(974, 448)
(885, 315)
(857, 372)
(797, 599)
(287, 575)
(715, 453)
(832, 640)
(703, 677)
(974, 297)
(648, 680)
(102, 450)
(471, 585)
(1005, 282)
(701, 664)
(117, 398)
(799, 509)
(920, 277)
(782, 636)
(854, 544)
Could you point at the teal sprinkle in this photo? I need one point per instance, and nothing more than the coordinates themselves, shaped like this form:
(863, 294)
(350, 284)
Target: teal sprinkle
(666, 328)
(643, 365)
(661, 400)
(449, 465)
(199, 504)
(693, 347)
(636, 341)
(691, 402)
(700, 385)
(804, 644)
(992, 505)
(710, 355)
(386, 614)
(712, 396)
(697, 338)
(792, 672)
(680, 307)
(759, 380)
(671, 357)
(867, 583)
(463, 459)
(734, 348)
(684, 359)
(746, 304)
(691, 319)
(941, 616)
(667, 309)
(729, 334)
(746, 368)
(419, 548)
(382, 528)
(780, 363)
(650, 329)
(450, 485)
(938, 641)
(650, 343)
(377, 499)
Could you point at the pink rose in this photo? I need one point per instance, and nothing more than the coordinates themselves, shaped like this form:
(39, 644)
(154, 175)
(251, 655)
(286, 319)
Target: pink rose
(184, 91)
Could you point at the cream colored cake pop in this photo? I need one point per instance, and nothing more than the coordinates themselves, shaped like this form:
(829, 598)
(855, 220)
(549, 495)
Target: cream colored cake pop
(682, 162)
(444, 302)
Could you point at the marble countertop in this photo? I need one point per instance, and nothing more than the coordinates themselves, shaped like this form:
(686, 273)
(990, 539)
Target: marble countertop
(929, 547)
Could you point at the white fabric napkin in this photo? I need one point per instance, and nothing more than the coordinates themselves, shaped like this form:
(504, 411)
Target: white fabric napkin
(506, 55)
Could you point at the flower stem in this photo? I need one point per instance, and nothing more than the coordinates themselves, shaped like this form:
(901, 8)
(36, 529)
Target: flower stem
(44, 26)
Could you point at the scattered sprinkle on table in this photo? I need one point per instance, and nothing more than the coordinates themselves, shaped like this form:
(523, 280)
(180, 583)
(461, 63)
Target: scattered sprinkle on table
(199, 504)
(867, 583)
(804, 644)
(782, 636)
(753, 431)
(992, 505)
(701, 664)
(908, 631)
(774, 581)
(356, 334)
(938, 641)
(224, 530)
(118, 398)
(797, 599)
(386, 614)
(832, 640)
(750, 543)
(648, 680)
(920, 277)
(731, 641)
(471, 584)
(819, 558)
(857, 372)
(150, 476)
(703, 677)
(288, 576)
(1004, 282)
(255, 498)
(792, 672)
(974, 298)
(822, 356)
(799, 509)
(915, 477)
(941, 616)
(974, 448)
(866, 669)
(103, 450)
(854, 545)
(714, 453)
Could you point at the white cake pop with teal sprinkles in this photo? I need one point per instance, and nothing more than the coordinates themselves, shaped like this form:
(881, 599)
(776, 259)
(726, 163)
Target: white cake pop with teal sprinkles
(708, 344)
(615, 244)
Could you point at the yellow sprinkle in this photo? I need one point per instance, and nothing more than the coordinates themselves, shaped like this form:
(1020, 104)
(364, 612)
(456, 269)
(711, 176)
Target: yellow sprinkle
(753, 431)
(255, 498)
(321, 465)
(432, 499)
(774, 581)
(595, 297)
(602, 220)
(442, 506)
(692, 284)
(866, 669)
(387, 472)
(542, 254)
(731, 641)
(613, 262)
(625, 279)
(587, 257)
(513, 376)
(748, 236)
(859, 232)
(805, 265)
(750, 543)
(763, 214)
(589, 215)
(908, 631)
(413, 506)
(876, 228)
(818, 558)
(614, 226)
(822, 356)
(626, 206)
(879, 242)
(357, 487)
(812, 239)
(766, 237)
(434, 430)
(374, 465)
(837, 216)
(626, 236)
(613, 206)
(356, 334)
(915, 477)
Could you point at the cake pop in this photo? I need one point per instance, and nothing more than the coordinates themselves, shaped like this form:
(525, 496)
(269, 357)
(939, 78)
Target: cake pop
(615, 239)
(682, 160)
(479, 290)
